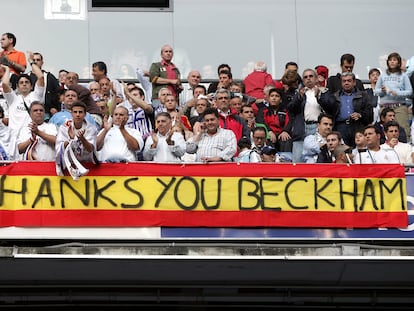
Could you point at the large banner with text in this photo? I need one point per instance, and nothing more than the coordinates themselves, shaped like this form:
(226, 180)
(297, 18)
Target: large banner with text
(205, 195)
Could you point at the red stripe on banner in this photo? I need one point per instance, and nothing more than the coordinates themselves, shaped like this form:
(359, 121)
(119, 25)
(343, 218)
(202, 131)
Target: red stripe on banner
(134, 218)
(217, 169)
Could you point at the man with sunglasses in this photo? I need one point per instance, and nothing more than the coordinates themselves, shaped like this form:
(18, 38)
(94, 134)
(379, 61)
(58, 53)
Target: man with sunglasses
(304, 111)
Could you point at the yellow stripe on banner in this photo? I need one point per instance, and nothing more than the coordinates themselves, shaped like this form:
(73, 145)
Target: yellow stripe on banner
(203, 193)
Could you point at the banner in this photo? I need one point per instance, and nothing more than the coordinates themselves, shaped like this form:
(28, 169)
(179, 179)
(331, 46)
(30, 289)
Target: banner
(205, 195)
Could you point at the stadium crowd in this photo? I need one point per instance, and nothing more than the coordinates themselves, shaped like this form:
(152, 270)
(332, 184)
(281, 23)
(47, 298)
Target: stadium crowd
(305, 116)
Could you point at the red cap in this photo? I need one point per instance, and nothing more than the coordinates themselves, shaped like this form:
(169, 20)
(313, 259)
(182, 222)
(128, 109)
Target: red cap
(322, 70)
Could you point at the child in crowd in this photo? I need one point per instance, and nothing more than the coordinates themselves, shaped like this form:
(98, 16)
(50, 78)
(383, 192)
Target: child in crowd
(246, 154)
(360, 142)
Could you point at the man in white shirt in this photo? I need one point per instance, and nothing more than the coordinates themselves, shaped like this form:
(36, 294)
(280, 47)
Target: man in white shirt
(116, 142)
(37, 139)
(18, 105)
(193, 78)
(374, 154)
(404, 151)
(75, 141)
(313, 144)
(164, 145)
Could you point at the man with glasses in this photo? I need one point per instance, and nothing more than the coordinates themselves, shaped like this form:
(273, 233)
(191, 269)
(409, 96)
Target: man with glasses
(347, 65)
(304, 111)
(259, 138)
(52, 88)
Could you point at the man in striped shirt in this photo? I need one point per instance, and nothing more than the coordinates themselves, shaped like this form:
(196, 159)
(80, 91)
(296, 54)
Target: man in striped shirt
(210, 142)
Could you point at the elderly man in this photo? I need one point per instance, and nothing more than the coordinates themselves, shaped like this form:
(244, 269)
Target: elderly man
(354, 109)
(194, 78)
(37, 140)
(164, 145)
(70, 96)
(255, 82)
(228, 120)
(210, 142)
(165, 74)
(304, 109)
(116, 142)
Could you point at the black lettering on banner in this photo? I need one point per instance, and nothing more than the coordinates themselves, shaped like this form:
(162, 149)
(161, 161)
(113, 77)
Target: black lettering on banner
(45, 185)
(369, 191)
(264, 193)
(289, 202)
(354, 194)
(4, 190)
(399, 184)
(185, 193)
(139, 195)
(98, 192)
(247, 181)
(218, 197)
(166, 187)
(85, 200)
(317, 192)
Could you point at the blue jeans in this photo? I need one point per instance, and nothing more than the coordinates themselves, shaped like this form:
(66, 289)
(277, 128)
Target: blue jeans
(297, 148)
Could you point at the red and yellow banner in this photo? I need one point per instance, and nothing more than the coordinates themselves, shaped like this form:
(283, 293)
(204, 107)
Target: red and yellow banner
(212, 195)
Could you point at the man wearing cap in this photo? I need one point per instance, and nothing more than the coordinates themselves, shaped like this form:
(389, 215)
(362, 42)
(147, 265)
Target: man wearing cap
(322, 72)
(268, 154)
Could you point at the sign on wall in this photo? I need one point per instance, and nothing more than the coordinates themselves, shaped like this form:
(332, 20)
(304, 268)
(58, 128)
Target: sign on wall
(213, 195)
